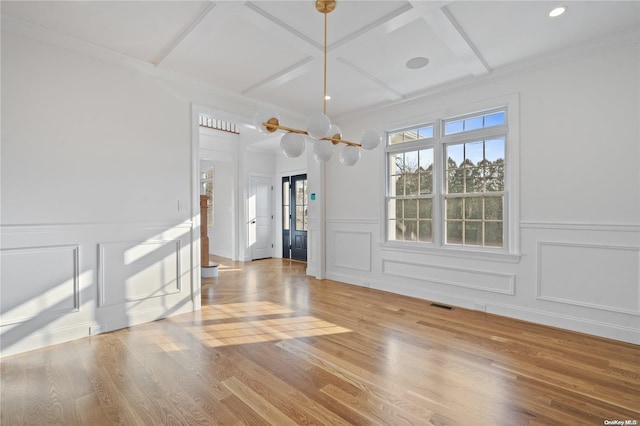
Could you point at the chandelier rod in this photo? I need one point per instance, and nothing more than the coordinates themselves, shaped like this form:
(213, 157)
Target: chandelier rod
(272, 125)
(325, 65)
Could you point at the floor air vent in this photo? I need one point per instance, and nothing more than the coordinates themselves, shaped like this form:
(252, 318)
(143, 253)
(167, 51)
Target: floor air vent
(437, 305)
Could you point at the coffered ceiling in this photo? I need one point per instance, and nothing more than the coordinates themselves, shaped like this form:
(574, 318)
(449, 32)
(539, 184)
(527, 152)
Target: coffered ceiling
(272, 51)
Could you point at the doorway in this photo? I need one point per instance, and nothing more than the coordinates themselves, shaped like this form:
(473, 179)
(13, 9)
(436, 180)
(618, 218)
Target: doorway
(295, 220)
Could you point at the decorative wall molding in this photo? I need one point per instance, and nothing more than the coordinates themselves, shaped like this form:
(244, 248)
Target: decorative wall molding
(581, 226)
(429, 272)
(352, 221)
(106, 298)
(488, 256)
(352, 250)
(36, 258)
(569, 322)
(595, 275)
(64, 227)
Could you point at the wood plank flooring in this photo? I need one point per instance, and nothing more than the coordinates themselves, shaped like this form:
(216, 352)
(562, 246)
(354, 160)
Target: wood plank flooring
(274, 347)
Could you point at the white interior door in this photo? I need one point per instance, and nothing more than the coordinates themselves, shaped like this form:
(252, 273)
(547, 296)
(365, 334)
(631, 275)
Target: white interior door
(260, 218)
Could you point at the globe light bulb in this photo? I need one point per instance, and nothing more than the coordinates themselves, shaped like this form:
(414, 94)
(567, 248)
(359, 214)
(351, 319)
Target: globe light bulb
(370, 139)
(263, 116)
(349, 155)
(318, 125)
(323, 150)
(292, 144)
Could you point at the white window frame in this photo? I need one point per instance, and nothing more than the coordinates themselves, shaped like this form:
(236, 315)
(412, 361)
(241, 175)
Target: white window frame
(510, 251)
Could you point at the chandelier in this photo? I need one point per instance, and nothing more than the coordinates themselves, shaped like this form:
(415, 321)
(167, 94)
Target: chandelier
(324, 135)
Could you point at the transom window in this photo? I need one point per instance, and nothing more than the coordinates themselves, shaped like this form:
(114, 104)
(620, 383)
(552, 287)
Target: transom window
(446, 182)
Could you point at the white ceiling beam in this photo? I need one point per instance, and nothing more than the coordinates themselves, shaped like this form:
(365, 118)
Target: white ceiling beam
(447, 29)
(280, 30)
(292, 72)
(283, 32)
(212, 16)
(203, 13)
(393, 94)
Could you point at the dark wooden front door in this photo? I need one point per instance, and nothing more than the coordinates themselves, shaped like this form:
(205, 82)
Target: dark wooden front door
(295, 220)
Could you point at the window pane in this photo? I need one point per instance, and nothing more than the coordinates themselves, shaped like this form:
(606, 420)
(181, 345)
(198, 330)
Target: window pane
(410, 135)
(494, 150)
(474, 180)
(493, 208)
(395, 138)
(494, 176)
(454, 208)
(410, 209)
(426, 183)
(396, 163)
(285, 218)
(300, 189)
(285, 193)
(473, 153)
(496, 181)
(473, 233)
(300, 212)
(410, 230)
(473, 208)
(454, 233)
(396, 185)
(455, 181)
(411, 187)
(473, 123)
(495, 119)
(425, 208)
(453, 127)
(391, 208)
(426, 159)
(425, 132)
(399, 230)
(455, 156)
(424, 231)
(393, 230)
(411, 162)
(399, 209)
(493, 234)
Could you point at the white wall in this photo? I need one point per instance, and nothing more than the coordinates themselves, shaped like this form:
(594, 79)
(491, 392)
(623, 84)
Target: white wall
(99, 193)
(579, 202)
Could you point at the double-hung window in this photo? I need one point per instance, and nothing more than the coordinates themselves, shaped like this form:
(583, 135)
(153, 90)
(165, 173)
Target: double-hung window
(447, 183)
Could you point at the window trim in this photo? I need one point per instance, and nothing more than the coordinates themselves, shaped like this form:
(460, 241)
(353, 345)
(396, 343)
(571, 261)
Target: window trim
(510, 252)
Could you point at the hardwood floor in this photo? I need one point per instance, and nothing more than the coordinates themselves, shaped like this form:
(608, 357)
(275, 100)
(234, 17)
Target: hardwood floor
(274, 347)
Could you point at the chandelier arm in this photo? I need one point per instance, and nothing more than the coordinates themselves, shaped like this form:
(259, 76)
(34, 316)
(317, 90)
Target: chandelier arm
(274, 127)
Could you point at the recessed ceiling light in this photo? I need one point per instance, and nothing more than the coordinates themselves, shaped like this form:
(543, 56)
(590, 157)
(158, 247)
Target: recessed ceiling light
(558, 11)
(417, 63)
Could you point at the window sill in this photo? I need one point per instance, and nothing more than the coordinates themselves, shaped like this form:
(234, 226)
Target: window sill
(462, 253)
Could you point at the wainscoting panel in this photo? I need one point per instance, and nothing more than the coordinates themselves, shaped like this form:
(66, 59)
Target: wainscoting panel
(130, 271)
(596, 276)
(352, 250)
(47, 283)
(493, 282)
